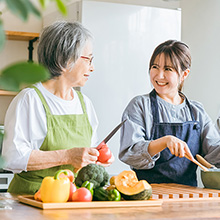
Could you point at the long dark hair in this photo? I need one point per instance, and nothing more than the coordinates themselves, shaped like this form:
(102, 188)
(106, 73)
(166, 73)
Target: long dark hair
(176, 52)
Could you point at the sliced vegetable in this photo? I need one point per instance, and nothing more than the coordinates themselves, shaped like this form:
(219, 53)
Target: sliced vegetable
(112, 180)
(130, 188)
(55, 189)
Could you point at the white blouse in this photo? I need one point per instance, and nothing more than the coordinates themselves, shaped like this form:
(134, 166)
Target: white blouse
(25, 125)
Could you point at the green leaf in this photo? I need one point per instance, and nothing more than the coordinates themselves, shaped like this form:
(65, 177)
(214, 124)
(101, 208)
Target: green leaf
(44, 3)
(31, 8)
(20, 73)
(2, 35)
(61, 6)
(18, 8)
(9, 84)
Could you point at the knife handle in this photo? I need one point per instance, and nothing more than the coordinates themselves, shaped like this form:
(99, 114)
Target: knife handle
(204, 162)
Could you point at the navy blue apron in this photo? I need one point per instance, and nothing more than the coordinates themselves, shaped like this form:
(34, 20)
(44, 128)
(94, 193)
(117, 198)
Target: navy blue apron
(169, 168)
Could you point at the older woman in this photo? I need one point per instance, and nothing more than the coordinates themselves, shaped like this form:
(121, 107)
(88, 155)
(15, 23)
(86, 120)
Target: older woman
(50, 125)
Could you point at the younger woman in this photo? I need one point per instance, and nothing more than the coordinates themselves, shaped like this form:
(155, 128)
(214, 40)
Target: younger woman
(164, 126)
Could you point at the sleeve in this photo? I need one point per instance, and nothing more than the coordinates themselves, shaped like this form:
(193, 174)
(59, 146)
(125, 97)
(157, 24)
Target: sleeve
(93, 120)
(217, 124)
(135, 135)
(210, 137)
(16, 146)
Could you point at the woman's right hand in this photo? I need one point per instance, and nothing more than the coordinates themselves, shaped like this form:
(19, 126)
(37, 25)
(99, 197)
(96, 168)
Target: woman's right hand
(80, 157)
(178, 147)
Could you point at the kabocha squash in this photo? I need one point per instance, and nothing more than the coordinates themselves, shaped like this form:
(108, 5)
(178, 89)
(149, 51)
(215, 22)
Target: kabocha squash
(130, 188)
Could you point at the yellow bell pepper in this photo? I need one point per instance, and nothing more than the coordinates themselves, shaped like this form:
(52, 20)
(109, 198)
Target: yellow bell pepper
(55, 189)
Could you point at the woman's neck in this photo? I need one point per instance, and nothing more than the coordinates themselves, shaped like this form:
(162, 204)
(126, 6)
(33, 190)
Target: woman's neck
(59, 89)
(173, 99)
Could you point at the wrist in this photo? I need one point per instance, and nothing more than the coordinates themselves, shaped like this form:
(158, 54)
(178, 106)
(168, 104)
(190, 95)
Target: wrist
(66, 157)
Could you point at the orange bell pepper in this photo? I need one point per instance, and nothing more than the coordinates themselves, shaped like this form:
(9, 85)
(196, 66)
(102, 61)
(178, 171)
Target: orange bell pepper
(37, 195)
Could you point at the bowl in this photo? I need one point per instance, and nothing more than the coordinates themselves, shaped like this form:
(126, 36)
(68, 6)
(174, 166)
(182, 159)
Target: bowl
(211, 178)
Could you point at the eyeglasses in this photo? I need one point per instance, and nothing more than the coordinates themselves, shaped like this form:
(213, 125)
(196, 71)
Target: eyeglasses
(88, 58)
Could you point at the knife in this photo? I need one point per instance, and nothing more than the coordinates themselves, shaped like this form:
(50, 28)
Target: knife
(110, 135)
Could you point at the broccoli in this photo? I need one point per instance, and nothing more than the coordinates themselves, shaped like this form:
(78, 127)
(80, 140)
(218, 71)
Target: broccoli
(93, 173)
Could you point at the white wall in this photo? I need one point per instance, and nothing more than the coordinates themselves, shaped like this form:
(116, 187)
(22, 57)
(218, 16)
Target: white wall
(17, 50)
(201, 31)
(122, 52)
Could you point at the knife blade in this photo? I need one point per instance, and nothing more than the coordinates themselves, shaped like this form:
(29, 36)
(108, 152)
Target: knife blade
(107, 138)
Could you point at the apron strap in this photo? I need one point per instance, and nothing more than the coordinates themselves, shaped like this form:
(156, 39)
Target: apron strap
(81, 101)
(154, 106)
(190, 107)
(46, 107)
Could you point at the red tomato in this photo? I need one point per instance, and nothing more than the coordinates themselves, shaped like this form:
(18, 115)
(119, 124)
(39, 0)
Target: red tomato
(72, 190)
(104, 154)
(103, 144)
(82, 195)
(70, 175)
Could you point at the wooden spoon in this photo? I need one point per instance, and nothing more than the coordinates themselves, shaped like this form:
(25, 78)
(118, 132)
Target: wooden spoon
(204, 162)
(197, 163)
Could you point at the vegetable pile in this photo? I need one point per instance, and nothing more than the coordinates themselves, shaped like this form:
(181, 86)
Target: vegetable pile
(93, 173)
(91, 185)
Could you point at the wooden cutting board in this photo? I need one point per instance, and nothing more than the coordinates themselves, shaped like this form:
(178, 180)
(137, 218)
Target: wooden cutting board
(169, 192)
(79, 205)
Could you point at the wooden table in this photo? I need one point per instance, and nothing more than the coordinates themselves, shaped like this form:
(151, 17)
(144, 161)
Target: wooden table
(169, 210)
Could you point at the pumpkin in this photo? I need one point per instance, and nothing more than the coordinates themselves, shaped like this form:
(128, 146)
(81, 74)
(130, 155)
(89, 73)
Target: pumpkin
(130, 188)
(112, 180)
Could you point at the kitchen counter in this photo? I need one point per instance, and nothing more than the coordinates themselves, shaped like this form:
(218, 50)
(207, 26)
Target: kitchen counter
(169, 210)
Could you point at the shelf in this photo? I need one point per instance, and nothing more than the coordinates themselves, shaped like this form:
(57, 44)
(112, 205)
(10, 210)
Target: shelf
(21, 36)
(24, 36)
(7, 93)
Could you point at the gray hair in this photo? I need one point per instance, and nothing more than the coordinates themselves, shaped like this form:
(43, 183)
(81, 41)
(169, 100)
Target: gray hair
(61, 44)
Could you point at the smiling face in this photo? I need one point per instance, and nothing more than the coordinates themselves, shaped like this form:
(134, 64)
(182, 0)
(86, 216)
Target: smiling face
(165, 79)
(79, 73)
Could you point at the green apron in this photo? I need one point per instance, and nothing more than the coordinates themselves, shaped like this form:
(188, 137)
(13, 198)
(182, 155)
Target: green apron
(63, 132)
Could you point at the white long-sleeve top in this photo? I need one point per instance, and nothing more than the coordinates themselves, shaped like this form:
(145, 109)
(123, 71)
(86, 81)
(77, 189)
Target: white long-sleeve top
(26, 126)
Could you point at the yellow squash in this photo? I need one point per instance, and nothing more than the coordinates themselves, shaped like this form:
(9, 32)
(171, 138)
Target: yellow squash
(130, 187)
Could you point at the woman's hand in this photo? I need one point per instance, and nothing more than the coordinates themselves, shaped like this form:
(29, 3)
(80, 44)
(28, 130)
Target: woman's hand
(178, 147)
(80, 157)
